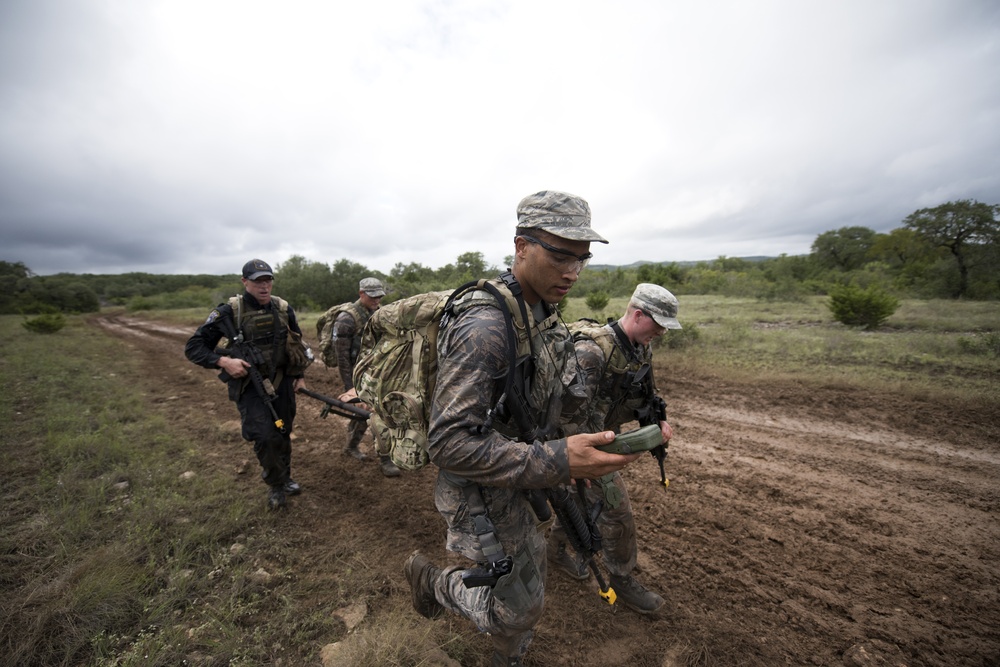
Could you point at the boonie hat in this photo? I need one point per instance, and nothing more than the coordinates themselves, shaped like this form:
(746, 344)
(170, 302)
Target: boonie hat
(257, 268)
(372, 287)
(560, 213)
(658, 302)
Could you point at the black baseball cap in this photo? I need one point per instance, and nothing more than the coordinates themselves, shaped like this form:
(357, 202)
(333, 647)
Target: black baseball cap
(257, 268)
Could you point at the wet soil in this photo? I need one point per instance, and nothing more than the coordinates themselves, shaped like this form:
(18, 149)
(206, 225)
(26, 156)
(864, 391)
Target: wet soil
(802, 525)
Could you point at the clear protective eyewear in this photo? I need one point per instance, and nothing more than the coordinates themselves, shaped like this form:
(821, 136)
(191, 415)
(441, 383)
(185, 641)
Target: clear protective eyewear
(562, 259)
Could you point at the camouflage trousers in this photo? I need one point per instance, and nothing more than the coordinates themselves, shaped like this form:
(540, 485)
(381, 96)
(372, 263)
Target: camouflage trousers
(356, 430)
(508, 617)
(617, 525)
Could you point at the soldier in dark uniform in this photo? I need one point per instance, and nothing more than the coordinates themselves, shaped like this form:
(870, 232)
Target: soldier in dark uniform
(606, 396)
(264, 321)
(552, 246)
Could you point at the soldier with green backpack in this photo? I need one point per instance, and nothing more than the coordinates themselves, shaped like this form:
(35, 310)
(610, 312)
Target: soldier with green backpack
(493, 427)
(614, 386)
(339, 330)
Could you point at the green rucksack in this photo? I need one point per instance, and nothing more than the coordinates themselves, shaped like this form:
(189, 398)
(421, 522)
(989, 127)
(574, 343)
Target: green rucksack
(324, 329)
(397, 368)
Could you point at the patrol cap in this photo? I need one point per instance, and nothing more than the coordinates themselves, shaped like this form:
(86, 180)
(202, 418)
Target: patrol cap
(257, 268)
(562, 214)
(658, 302)
(372, 287)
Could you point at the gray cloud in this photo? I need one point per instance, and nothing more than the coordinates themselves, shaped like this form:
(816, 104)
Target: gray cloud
(186, 137)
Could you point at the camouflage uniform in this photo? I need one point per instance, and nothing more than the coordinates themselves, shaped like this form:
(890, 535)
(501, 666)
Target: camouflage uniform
(347, 330)
(601, 401)
(473, 360)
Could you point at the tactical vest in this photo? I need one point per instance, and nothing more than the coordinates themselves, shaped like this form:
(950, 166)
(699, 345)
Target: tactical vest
(267, 329)
(618, 394)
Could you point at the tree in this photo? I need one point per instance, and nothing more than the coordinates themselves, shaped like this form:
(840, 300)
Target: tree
(958, 226)
(845, 248)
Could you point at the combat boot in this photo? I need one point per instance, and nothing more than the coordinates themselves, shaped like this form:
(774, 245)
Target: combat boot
(421, 574)
(352, 450)
(505, 660)
(634, 595)
(389, 468)
(276, 498)
(570, 562)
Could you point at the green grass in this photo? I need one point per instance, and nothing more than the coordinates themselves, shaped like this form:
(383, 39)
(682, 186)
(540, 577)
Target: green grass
(107, 550)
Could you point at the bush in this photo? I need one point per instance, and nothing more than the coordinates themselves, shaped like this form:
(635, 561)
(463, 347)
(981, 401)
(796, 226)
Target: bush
(857, 307)
(597, 301)
(677, 339)
(985, 344)
(45, 324)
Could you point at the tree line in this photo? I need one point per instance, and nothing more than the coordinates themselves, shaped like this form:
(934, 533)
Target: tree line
(949, 251)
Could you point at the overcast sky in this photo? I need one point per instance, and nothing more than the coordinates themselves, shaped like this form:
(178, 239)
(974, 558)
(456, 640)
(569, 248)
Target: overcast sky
(187, 136)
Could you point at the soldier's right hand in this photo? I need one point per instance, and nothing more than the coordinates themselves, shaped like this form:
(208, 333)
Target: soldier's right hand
(587, 462)
(236, 368)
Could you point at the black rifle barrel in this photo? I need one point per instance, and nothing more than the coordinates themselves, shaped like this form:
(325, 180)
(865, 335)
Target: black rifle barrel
(339, 407)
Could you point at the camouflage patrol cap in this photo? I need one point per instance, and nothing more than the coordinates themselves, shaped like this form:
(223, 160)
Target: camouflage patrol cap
(257, 268)
(659, 303)
(372, 287)
(565, 215)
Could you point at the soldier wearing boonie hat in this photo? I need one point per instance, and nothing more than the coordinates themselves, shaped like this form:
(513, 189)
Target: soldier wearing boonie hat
(606, 394)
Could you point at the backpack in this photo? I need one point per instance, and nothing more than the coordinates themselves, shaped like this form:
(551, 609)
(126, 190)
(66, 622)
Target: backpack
(396, 370)
(605, 339)
(324, 329)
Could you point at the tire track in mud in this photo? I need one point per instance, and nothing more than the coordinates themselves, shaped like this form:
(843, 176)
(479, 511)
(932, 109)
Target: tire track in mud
(872, 527)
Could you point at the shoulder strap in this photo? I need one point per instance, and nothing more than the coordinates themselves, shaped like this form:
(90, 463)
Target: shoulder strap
(624, 343)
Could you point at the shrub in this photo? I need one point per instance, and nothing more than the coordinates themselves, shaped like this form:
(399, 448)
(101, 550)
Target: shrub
(676, 339)
(45, 324)
(985, 344)
(857, 307)
(597, 301)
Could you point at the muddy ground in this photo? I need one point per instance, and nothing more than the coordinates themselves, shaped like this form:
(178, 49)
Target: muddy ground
(817, 526)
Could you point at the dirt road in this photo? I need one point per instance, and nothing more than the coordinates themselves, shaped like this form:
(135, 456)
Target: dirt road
(801, 526)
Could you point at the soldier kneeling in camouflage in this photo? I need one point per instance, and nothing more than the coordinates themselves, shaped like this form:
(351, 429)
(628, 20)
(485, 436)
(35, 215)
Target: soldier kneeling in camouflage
(614, 381)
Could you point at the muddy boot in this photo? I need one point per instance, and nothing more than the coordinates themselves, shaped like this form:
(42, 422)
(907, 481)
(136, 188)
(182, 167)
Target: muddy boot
(505, 660)
(421, 574)
(570, 562)
(276, 498)
(389, 468)
(352, 450)
(634, 595)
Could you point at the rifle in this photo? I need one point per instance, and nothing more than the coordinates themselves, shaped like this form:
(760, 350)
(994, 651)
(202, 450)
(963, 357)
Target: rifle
(653, 412)
(240, 349)
(338, 407)
(579, 524)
